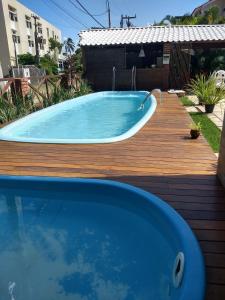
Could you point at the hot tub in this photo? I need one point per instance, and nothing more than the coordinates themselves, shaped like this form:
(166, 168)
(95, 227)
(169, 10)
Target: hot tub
(103, 117)
(93, 239)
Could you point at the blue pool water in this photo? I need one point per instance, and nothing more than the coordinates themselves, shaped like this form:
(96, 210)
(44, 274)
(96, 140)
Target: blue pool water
(95, 118)
(72, 239)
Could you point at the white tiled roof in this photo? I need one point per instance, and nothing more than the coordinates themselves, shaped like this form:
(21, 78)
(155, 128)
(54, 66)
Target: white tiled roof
(152, 34)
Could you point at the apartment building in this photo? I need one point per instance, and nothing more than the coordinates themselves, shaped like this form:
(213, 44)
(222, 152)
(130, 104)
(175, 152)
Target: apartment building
(17, 33)
(205, 6)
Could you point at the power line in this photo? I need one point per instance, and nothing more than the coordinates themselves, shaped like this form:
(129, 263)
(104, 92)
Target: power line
(67, 13)
(59, 16)
(84, 12)
(99, 15)
(85, 9)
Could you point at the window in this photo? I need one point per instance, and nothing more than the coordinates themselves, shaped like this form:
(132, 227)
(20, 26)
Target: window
(47, 32)
(16, 39)
(53, 33)
(29, 25)
(42, 46)
(28, 22)
(39, 28)
(13, 16)
(31, 43)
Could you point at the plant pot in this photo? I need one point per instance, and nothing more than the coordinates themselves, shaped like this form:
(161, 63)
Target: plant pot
(194, 134)
(209, 108)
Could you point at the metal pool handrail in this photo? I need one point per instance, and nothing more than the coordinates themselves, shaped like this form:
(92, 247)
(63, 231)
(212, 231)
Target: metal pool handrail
(143, 103)
(114, 78)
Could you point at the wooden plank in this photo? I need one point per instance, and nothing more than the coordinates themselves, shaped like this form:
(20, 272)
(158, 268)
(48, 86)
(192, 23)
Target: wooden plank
(160, 159)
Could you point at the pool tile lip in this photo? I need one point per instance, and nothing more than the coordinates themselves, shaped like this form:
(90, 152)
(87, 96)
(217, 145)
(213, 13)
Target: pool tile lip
(4, 132)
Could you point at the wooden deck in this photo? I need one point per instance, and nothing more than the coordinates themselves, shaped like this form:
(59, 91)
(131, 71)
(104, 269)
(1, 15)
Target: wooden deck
(161, 159)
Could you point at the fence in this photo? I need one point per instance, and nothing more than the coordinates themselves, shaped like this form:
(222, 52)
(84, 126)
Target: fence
(40, 87)
(30, 71)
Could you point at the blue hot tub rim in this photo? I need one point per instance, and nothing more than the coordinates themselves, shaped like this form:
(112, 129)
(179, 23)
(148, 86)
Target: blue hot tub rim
(195, 273)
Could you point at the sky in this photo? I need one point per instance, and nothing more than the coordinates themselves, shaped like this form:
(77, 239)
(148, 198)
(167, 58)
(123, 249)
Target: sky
(64, 15)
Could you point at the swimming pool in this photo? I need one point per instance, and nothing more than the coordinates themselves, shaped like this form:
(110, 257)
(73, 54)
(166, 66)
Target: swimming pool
(84, 239)
(102, 117)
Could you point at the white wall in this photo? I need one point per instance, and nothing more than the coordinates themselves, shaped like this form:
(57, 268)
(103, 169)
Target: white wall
(7, 52)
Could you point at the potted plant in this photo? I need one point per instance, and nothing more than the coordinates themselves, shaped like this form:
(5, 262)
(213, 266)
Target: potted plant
(197, 87)
(207, 91)
(195, 130)
(214, 96)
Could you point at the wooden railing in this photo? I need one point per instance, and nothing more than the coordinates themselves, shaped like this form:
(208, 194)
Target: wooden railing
(41, 87)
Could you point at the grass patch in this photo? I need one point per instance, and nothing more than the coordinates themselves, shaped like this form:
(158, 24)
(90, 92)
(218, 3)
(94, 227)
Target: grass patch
(210, 131)
(186, 102)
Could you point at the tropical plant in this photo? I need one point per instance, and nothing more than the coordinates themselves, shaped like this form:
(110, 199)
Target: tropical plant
(59, 95)
(54, 44)
(199, 87)
(69, 46)
(211, 16)
(74, 63)
(207, 91)
(48, 64)
(84, 89)
(195, 130)
(215, 94)
(78, 63)
(196, 126)
(19, 107)
(56, 47)
(11, 109)
(208, 60)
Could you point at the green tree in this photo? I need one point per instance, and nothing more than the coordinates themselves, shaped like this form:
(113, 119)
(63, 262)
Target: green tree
(211, 16)
(56, 47)
(69, 46)
(74, 62)
(26, 59)
(78, 61)
(70, 61)
(48, 64)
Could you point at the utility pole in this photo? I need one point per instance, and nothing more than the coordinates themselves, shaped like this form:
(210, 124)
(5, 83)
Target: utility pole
(109, 13)
(36, 39)
(15, 51)
(127, 18)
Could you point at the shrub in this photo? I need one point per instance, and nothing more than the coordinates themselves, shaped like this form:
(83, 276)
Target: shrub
(49, 65)
(19, 107)
(206, 89)
(26, 59)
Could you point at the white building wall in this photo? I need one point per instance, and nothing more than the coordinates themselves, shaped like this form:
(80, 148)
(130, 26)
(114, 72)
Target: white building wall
(7, 50)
